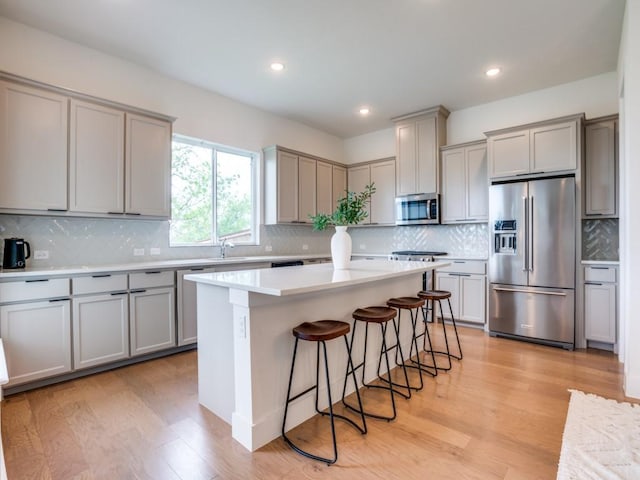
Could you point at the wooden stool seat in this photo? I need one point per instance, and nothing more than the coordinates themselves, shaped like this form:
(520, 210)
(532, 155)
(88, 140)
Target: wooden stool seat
(405, 302)
(321, 330)
(377, 314)
(434, 294)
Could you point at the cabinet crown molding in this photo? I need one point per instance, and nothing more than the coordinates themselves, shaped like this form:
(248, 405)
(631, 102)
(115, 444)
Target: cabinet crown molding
(463, 145)
(83, 96)
(438, 109)
(568, 118)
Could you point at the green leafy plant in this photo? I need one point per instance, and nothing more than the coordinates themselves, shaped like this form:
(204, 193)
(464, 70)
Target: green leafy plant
(351, 210)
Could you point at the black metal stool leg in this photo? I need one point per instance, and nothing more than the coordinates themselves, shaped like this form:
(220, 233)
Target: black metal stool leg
(332, 416)
(398, 351)
(455, 329)
(427, 338)
(421, 367)
(384, 350)
(432, 351)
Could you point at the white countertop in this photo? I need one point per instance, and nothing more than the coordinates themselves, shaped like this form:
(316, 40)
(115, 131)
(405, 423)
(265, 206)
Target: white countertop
(30, 272)
(600, 262)
(312, 278)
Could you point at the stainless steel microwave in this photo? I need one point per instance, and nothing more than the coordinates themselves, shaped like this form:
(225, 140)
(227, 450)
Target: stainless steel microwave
(418, 209)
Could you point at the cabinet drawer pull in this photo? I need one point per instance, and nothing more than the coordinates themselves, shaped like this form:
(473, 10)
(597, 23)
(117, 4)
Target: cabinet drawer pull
(59, 300)
(141, 290)
(153, 273)
(34, 281)
(114, 213)
(599, 268)
(460, 274)
(56, 209)
(104, 275)
(459, 261)
(197, 269)
(118, 293)
(133, 213)
(593, 283)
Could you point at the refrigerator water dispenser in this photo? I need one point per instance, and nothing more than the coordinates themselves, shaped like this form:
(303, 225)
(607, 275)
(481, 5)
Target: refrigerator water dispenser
(504, 237)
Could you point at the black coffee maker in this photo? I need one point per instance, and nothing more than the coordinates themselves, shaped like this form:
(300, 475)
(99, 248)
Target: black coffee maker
(16, 252)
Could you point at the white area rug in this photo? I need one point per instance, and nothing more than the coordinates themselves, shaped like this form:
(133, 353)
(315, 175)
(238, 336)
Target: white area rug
(601, 439)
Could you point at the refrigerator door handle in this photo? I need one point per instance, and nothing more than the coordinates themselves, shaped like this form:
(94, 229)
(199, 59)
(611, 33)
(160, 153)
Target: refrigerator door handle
(530, 239)
(519, 290)
(525, 215)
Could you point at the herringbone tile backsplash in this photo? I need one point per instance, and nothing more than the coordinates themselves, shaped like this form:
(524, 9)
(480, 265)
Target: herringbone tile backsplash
(600, 239)
(87, 241)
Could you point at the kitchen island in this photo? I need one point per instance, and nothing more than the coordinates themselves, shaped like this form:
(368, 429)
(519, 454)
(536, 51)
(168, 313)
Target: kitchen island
(245, 342)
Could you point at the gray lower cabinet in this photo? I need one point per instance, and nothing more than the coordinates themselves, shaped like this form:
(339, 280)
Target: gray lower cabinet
(35, 326)
(100, 319)
(467, 282)
(600, 300)
(37, 339)
(151, 311)
(187, 306)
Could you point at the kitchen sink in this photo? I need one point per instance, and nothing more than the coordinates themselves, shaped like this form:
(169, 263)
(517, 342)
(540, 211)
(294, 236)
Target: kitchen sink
(228, 258)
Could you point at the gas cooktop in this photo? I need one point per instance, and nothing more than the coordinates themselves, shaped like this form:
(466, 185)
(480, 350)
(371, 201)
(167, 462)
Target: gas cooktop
(418, 253)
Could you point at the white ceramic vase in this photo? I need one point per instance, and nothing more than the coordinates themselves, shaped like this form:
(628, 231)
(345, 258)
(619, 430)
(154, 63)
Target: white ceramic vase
(341, 248)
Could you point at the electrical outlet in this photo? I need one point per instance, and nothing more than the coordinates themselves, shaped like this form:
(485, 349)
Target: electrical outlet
(138, 252)
(154, 251)
(41, 254)
(268, 248)
(363, 246)
(305, 247)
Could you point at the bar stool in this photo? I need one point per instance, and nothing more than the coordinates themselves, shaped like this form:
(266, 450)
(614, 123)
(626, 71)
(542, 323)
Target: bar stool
(413, 305)
(320, 332)
(432, 296)
(380, 315)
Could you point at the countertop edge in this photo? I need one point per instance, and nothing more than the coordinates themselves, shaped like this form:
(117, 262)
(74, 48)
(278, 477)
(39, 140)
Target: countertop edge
(419, 267)
(138, 266)
(600, 262)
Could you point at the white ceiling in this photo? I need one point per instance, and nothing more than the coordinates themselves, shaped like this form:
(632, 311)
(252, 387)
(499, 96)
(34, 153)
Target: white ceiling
(396, 56)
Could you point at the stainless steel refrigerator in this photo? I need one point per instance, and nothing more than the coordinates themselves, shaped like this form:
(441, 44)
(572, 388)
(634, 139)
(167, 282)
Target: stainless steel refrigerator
(532, 260)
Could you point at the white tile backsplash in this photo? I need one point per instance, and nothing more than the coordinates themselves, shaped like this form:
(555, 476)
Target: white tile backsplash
(72, 241)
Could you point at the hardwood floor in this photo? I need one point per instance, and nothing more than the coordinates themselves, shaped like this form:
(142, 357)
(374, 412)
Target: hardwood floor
(499, 414)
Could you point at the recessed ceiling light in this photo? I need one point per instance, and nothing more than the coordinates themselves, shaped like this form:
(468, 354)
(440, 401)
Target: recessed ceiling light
(364, 111)
(277, 66)
(492, 72)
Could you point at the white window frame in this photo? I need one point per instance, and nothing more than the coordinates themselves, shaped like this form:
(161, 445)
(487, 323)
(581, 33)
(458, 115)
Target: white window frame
(255, 190)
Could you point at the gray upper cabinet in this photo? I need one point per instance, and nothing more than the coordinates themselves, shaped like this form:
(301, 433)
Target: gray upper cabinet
(551, 146)
(96, 158)
(65, 153)
(306, 189)
(465, 188)
(147, 166)
(382, 173)
(33, 148)
(601, 168)
(324, 193)
(418, 140)
(338, 184)
(298, 185)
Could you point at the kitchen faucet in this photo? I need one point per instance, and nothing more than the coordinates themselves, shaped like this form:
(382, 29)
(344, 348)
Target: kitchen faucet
(223, 247)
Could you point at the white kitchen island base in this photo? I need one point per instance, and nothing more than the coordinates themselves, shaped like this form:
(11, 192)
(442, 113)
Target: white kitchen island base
(245, 342)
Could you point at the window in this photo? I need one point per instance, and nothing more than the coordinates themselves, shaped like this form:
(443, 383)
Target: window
(213, 194)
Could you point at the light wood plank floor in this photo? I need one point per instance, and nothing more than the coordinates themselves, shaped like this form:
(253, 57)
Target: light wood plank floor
(499, 414)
